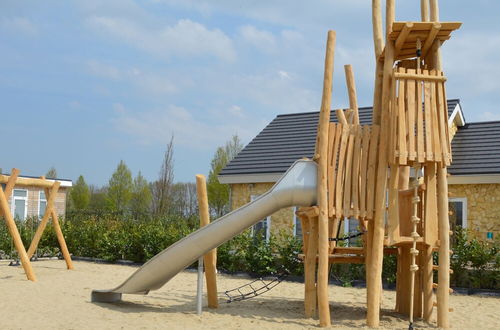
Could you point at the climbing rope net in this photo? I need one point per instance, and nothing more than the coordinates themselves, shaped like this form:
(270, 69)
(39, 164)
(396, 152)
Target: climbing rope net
(255, 288)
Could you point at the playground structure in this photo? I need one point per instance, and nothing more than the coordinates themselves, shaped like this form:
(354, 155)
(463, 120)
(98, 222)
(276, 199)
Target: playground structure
(353, 169)
(50, 187)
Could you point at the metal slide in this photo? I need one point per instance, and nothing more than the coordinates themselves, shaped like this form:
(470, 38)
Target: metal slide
(297, 187)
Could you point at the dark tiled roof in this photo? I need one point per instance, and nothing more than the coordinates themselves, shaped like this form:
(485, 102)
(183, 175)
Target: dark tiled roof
(287, 138)
(476, 149)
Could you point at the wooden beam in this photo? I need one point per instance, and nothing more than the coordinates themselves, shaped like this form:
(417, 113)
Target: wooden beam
(430, 38)
(14, 233)
(434, 11)
(424, 10)
(378, 37)
(210, 258)
(28, 181)
(60, 237)
(323, 302)
(341, 117)
(14, 174)
(413, 76)
(402, 37)
(351, 88)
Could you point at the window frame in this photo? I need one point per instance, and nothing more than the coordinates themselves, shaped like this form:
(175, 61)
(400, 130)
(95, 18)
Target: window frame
(13, 199)
(268, 221)
(40, 216)
(463, 200)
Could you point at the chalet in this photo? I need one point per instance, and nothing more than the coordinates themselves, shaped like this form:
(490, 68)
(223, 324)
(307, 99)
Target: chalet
(30, 201)
(474, 182)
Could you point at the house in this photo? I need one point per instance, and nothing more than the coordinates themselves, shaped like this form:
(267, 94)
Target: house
(30, 201)
(474, 182)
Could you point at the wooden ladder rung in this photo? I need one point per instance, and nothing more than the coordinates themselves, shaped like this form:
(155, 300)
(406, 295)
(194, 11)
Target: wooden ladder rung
(436, 268)
(435, 304)
(435, 286)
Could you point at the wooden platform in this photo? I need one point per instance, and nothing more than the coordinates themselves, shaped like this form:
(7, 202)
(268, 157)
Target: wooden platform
(405, 35)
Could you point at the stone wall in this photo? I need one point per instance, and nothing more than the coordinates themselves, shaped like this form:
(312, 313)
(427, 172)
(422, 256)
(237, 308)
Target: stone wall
(483, 207)
(241, 195)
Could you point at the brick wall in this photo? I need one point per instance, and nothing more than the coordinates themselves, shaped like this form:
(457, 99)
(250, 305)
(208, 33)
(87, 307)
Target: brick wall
(483, 207)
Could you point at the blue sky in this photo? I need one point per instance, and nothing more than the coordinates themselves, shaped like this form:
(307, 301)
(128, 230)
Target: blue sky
(87, 83)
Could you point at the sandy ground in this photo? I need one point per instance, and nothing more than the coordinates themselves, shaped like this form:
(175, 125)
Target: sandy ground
(61, 300)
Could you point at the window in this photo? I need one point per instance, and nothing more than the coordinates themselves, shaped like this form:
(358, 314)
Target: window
(351, 227)
(42, 204)
(458, 212)
(261, 229)
(19, 203)
(297, 225)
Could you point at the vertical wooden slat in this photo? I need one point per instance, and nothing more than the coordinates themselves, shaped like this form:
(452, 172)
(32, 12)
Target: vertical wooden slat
(410, 97)
(348, 172)
(331, 173)
(393, 216)
(443, 122)
(333, 163)
(436, 148)
(339, 182)
(429, 154)
(403, 153)
(364, 171)
(372, 170)
(447, 127)
(393, 125)
(420, 123)
(356, 164)
(351, 88)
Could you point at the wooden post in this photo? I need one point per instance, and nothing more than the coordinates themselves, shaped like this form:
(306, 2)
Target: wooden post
(210, 259)
(374, 284)
(322, 150)
(310, 296)
(434, 11)
(18, 243)
(424, 10)
(351, 88)
(60, 238)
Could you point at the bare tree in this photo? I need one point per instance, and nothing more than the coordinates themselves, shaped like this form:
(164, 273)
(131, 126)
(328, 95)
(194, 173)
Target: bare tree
(162, 188)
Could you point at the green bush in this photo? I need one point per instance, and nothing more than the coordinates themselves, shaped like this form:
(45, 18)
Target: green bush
(112, 236)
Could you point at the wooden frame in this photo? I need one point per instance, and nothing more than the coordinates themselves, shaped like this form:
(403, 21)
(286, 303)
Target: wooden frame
(50, 188)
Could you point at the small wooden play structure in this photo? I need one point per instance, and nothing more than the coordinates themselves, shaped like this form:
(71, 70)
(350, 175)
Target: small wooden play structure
(403, 155)
(50, 187)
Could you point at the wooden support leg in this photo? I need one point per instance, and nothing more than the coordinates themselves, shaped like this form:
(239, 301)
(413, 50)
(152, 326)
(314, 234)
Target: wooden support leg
(427, 280)
(60, 239)
(11, 225)
(210, 259)
(310, 268)
(443, 303)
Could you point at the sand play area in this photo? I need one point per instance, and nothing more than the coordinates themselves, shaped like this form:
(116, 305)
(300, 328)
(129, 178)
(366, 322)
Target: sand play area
(61, 300)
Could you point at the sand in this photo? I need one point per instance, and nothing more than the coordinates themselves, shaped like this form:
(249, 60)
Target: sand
(61, 300)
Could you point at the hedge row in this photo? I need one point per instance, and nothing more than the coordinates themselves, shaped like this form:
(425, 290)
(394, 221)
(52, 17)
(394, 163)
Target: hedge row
(475, 264)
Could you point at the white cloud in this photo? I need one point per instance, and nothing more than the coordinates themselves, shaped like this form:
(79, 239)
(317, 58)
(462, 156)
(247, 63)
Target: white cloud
(20, 25)
(489, 116)
(156, 126)
(185, 38)
(152, 83)
(260, 39)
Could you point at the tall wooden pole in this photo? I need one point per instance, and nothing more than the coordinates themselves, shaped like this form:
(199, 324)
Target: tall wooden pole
(322, 151)
(60, 237)
(210, 259)
(424, 10)
(443, 303)
(374, 282)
